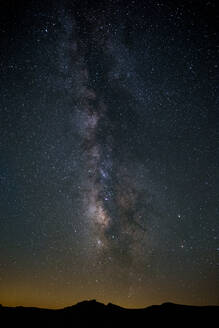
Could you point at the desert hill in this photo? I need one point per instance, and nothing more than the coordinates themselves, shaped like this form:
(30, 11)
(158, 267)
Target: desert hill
(87, 313)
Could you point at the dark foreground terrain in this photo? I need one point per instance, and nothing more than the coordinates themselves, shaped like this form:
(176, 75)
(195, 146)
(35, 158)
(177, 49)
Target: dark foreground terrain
(95, 314)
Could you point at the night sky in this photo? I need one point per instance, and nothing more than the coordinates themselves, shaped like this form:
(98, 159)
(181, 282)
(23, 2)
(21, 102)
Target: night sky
(109, 152)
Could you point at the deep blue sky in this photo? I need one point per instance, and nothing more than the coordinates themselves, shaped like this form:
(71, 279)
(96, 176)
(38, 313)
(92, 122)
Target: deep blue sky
(109, 153)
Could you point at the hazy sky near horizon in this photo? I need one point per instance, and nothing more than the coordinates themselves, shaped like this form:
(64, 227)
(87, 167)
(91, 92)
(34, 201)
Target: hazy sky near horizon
(109, 152)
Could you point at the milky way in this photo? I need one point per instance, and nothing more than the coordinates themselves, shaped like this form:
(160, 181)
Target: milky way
(115, 203)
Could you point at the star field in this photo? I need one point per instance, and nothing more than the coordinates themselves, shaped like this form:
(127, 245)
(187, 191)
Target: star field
(109, 153)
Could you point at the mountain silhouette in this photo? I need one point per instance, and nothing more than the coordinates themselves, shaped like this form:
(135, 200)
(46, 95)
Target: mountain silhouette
(89, 313)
